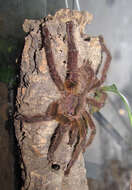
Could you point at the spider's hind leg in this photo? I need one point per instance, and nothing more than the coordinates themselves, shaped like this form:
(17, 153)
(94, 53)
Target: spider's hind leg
(56, 140)
(73, 133)
(62, 128)
(92, 127)
(81, 139)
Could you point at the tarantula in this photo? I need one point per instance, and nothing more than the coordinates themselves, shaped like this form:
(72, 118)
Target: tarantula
(69, 110)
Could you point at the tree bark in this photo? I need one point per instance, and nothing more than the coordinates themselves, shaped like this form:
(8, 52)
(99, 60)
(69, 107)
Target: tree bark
(37, 91)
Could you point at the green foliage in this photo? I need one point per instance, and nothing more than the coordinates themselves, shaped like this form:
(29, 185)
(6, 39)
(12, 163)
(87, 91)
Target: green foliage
(8, 54)
(7, 74)
(114, 89)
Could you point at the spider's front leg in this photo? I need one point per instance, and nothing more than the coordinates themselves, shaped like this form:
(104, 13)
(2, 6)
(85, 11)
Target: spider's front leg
(50, 59)
(72, 75)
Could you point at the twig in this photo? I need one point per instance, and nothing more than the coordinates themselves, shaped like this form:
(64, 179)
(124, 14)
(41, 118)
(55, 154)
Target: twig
(78, 5)
(66, 3)
(131, 182)
(73, 4)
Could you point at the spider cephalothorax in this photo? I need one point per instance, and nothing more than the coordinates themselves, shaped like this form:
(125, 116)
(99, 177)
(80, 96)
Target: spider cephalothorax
(69, 110)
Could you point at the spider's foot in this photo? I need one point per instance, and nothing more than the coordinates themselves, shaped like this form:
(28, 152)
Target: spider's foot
(66, 172)
(24, 118)
(21, 117)
(17, 116)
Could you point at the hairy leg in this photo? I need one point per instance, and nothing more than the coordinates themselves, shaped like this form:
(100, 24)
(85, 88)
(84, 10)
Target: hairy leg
(73, 133)
(88, 118)
(106, 64)
(50, 59)
(56, 140)
(107, 61)
(50, 114)
(72, 75)
(90, 77)
(74, 157)
(79, 144)
(87, 70)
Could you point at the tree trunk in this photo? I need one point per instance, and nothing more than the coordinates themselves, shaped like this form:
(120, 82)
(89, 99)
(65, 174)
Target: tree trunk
(37, 91)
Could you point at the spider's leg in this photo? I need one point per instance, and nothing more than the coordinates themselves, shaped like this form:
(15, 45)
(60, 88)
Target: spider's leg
(72, 75)
(89, 74)
(56, 139)
(99, 103)
(50, 114)
(78, 146)
(106, 63)
(88, 118)
(50, 59)
(73, 132)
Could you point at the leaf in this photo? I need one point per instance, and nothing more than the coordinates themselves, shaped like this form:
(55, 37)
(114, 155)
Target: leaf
(114, 89)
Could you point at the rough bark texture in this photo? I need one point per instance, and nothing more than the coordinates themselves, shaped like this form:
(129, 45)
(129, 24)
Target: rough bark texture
(37, 91)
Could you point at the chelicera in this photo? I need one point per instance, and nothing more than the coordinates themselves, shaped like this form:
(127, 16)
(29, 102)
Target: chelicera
(70, 110)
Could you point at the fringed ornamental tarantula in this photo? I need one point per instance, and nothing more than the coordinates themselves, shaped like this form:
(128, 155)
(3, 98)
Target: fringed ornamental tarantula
(69, 110)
